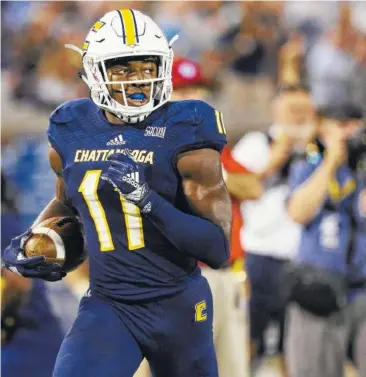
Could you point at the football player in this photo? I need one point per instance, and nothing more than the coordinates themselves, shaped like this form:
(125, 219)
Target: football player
(144, 175)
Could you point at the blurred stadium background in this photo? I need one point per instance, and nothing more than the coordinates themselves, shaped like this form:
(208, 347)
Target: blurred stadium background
(245, 49)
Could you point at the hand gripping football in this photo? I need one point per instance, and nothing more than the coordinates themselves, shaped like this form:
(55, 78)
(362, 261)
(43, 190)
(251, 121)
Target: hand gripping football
(59, 240)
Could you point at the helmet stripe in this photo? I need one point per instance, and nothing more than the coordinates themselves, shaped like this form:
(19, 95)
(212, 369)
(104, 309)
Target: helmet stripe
(128, 26)
(123, 27)
(135, 24)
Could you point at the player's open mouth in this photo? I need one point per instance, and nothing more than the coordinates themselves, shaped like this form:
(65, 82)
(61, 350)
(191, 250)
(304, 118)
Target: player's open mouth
(136, 99)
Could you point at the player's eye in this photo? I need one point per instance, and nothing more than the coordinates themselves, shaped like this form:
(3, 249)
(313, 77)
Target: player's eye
(122, 71)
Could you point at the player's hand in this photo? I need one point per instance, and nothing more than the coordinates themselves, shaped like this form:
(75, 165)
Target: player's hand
(127, 176)
(14, 259)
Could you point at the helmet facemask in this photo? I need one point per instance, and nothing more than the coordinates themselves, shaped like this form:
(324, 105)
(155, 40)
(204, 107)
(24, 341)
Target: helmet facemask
(98, 82)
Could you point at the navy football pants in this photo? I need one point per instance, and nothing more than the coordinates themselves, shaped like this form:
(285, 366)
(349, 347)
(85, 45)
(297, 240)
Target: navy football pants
(110, 339)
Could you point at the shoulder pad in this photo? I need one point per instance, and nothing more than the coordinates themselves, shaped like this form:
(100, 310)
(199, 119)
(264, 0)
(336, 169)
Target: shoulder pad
(191, 111)
(210, 123)
(65, 112)
(209, 129)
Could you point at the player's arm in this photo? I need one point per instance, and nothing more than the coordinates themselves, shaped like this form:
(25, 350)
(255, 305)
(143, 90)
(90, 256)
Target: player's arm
(205, 236)
(205, 188)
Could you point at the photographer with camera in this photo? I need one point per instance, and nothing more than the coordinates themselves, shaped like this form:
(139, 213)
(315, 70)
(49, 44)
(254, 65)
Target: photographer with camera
(328, 294)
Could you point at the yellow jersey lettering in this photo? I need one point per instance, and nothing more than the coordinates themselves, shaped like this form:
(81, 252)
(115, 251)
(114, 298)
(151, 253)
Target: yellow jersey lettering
(87, 155)
(149, 158)
(141, 156)
(84, 155)
(99, 152)
(104, 151)
(77, 157)
(92, 156)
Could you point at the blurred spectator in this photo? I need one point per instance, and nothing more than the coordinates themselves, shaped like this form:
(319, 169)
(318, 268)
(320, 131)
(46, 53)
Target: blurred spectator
(237, 44)
(25, 162)
(269, 235)
(334, 64)
(246, 45)
(329, 287)
(248, 54)
(198, 23)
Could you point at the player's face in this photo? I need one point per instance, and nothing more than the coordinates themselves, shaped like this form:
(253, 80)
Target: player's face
(132, 69)
(190, 92)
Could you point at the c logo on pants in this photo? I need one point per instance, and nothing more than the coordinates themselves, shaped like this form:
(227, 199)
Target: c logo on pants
(201, 311)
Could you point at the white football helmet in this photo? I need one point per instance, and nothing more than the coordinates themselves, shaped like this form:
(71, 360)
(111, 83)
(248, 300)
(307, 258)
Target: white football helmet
(126, 33)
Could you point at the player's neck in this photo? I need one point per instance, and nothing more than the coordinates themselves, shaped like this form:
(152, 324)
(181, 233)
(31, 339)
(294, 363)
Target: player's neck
(112, 118)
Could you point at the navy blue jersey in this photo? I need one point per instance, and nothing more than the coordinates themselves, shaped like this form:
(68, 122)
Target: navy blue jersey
(130, 260)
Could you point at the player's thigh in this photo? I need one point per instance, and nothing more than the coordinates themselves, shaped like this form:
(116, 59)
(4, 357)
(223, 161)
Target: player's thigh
(98, 344)
(186, 343)
(183, 362)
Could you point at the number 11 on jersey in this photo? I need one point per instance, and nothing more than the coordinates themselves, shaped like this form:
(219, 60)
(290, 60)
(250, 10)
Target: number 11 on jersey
(133, 220)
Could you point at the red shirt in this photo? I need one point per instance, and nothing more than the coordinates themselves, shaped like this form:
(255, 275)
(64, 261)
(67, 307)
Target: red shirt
(232, 166)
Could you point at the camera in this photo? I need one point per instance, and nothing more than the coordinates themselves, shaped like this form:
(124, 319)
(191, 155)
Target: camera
(357, 151)
(356, 145)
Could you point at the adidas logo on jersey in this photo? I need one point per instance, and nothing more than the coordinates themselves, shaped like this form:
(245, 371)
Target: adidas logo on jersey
(116, 141)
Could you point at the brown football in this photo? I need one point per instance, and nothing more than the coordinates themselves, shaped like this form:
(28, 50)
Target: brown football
(60, 240)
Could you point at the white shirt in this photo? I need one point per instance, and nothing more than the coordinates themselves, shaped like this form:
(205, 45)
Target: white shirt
(267, 230)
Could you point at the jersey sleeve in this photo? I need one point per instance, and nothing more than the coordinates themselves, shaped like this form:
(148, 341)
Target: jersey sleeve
(210, 131)
(58, 118)
(53, 139)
